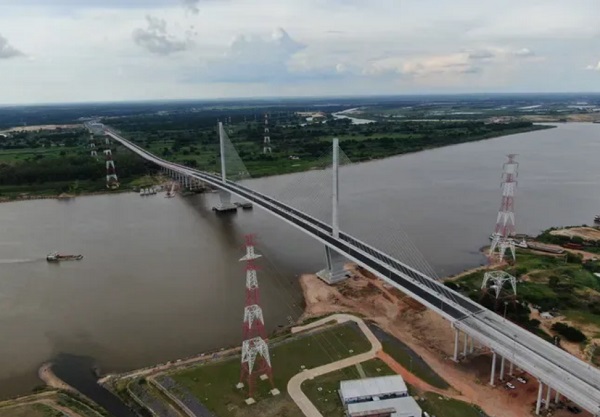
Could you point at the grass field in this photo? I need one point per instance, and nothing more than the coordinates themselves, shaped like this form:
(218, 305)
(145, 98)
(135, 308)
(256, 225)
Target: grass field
(438, 406)
(214, 384)
(33, 410)
(323, 390)
(410, 360)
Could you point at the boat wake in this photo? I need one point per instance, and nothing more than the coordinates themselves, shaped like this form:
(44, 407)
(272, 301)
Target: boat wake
(18, 261)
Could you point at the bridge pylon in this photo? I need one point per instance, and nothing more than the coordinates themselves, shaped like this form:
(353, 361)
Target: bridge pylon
(334, 272)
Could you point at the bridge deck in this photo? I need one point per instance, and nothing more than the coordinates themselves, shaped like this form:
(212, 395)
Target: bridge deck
(562, 371)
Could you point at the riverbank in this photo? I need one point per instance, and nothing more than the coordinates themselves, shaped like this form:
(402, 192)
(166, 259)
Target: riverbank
(58, 398)
(40, 193)
(422, 331)
(557, 292)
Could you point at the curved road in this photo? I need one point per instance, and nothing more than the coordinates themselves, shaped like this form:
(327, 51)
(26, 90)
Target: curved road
(294, 384)
(560, 370)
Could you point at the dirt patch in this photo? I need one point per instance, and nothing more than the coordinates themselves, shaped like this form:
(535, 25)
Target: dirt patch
(423, 331)
(586, 233)
(40, 127)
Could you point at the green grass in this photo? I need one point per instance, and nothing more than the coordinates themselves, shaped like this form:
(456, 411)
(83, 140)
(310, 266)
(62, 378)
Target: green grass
(433, 405)
(409, 359)
(583, 317)
(403, 355)
(214, 384)
(33, 410)
(323, 390)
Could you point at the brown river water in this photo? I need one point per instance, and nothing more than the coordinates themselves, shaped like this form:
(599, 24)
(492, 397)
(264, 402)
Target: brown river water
(160, 278)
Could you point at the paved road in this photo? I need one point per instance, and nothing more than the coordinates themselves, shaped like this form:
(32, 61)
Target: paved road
(572, 377)
(294, 384)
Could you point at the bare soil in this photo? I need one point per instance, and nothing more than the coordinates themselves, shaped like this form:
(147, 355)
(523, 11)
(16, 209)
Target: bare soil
(40, 127)
(586, 233)
(424, 331)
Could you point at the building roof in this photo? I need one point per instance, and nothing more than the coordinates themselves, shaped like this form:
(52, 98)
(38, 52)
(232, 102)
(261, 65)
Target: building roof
(372, 386)
(404, 406)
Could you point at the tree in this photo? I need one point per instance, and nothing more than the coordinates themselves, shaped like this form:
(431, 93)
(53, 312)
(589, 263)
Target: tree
(568, 332)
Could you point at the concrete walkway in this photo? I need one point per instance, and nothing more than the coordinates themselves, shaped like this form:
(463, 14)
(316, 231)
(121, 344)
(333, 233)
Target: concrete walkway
(294, 384)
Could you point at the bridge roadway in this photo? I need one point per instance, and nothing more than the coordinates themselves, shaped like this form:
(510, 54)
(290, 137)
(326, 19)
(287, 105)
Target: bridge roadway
(554, 367)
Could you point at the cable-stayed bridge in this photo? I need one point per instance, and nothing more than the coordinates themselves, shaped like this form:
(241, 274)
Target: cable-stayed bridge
(559, 372)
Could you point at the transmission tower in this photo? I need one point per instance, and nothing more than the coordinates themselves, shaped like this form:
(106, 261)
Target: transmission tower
(94, 152)
(256, 361)
(111, 174)
(502, 238)
(267, 138)
(495, 281)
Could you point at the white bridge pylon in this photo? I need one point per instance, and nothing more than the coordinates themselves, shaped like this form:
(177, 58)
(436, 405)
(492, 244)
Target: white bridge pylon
(553, 367)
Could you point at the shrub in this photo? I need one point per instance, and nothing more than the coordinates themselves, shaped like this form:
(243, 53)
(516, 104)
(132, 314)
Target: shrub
(568, 332)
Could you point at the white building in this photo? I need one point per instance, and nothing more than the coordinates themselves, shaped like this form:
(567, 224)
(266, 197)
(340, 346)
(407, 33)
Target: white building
(372, 389)
(395, 407)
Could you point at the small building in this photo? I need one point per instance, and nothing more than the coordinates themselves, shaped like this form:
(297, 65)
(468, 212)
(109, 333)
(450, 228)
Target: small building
(546, 315)
(395, 407)
(372, 389)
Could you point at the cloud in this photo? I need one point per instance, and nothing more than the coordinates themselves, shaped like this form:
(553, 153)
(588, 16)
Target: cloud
(593, 67)
(252, 59)
(155, 38)
(423, 66)
(7, 51)
(467, 61)
(524, 53)
(191, 6)
(481, 54)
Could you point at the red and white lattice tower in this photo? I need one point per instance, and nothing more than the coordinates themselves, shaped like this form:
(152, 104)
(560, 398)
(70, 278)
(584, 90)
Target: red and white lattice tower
(502, 238)
(111, 173)
(267, 137)
(256, 361)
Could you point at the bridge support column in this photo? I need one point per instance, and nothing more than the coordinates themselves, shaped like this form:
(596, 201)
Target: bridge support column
(335, 227)
(493, 377)
(334, 272)
(222, 150)
(472, 347)
(456, 345)
(502, 369)
(510, 369)
(539, 399)
(557, 397)
(466, 344)
(547, 405)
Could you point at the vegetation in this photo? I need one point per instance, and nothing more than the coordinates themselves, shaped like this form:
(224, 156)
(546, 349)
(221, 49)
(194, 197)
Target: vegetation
(588, 245)
(559, 284)
(438, 406)
(57, 161)
(409, 359)
(29, 410)
(569, 333)
(54, 162)
(214, 384)
(192, 139)
(323, 390)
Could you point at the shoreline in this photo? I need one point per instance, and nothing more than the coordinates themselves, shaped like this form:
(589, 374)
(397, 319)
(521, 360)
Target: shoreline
(62, 196)
(533, 128)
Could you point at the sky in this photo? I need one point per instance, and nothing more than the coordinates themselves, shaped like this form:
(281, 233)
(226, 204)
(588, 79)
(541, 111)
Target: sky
(114, 50)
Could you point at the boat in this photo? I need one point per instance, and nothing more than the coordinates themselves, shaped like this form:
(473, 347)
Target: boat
(521, 244)
(57, 257)
(597, 218)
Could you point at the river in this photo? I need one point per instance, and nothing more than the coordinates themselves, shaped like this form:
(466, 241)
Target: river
(161, 279)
